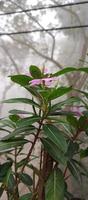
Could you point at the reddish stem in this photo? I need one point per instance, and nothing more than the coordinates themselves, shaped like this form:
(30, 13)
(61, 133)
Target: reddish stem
(32, 147)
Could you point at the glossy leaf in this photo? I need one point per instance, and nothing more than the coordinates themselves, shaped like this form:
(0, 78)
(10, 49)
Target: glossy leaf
(54, 151)
(21, 131)
(83, 123)
(33, 91)
(84, 153)
(83, 69)
(3, 129)
(73, 148)
(70, 69)
(65, 71)
(72, 120)
(7, 123)
(26, 179)
(58, 92)
(15, 112)
(11, 183)
(35, 72)
(60, 113)
(21, 100)
(28, 121)
(8, 145)
(73, 168)
(27, 196)
(4, 170)
(82, 168)
(56, 136)
(21, 163)
(68, 101)
(14, 118)
(54, 188)
(21, 79)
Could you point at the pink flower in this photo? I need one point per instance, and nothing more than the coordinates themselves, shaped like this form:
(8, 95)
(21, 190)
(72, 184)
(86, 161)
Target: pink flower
(76, 110)
(44, 81)
(35, 82)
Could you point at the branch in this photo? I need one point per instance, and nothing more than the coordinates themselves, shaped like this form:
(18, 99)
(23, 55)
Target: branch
(33, 144)
(74, 79)
(10, 57)
(38, 23)
(39, 53)
(7, 88)
(52, 60)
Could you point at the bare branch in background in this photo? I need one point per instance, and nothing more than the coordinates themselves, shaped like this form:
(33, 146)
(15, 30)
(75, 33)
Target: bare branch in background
(10, 57)
(37, 51)
(38, 23)
(7, 88)
(75, 78)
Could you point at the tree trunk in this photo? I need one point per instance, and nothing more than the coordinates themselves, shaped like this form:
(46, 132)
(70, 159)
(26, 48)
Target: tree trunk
(45, 172)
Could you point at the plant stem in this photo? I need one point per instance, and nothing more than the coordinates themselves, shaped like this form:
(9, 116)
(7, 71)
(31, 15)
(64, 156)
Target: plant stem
(77, 134)
(7, 194)
(65, 171)
(45, 172)
(32, 146)
(16, 193)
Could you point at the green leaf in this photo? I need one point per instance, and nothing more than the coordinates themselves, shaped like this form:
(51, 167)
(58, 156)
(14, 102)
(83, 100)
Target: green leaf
(21, 79)
(27, 121)
(22, 131)
(34, 91)
(68, 101)
(3, 129)
(65, 71)
(58, 92)
(73, 148)
(27, 196)
(70, 69)
(4, 170)
(59, 113)
(8, 145)
(72, 120)
(73, 168)
(21, 163)
(84, 153)
(83, 123)
(35, 72)
(11, 183)
(56, 136)
(83, 69)
(15, 112)
(54, 188)
(54, 151)
(82, 169)
(7, 123)
(14, 118)
(21, 100)
(26, 179)
(85, 113)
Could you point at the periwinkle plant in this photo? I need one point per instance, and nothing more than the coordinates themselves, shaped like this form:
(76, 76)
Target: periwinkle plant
(57, 128)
